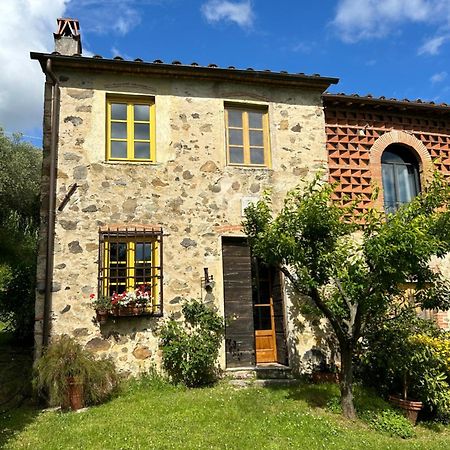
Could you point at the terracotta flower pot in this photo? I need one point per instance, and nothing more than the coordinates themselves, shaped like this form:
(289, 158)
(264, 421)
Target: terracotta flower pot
(75, 394)
(325, 377)
(410, 408)
(102, 316)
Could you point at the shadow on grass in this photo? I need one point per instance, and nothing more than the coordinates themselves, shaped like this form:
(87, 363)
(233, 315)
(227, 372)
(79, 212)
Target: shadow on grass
(325, 395)
(314, 395)
(15, 387)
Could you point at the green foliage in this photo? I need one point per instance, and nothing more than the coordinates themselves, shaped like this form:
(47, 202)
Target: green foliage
(220, 417)
(376, 412)
(354, 269)
(65, 358)
(20, 166)
(190, 350)
(393, 423)
(409, 355)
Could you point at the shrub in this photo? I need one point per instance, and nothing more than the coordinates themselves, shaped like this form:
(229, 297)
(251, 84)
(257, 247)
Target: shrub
(411, 356)
(65, 358)
(190, 349)
(392, 422)
(376, 412)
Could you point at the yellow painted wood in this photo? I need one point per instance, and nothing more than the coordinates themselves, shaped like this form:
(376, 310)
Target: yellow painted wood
(130, 101)
(245, 110)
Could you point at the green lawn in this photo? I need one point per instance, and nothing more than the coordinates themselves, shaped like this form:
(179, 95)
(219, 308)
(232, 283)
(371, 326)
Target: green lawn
(149, 415)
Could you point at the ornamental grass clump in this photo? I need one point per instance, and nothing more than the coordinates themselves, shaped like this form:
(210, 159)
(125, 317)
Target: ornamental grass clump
(190, 349)
(65, 363)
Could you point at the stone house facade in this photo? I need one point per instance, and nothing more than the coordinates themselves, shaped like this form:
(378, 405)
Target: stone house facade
(147, 169)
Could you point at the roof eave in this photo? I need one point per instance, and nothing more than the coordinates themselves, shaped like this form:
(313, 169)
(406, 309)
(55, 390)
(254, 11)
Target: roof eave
(184, 71)
(392, 103)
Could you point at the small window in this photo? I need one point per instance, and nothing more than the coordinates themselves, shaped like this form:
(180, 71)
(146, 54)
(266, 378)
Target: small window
(401, 181)
(247, 136)
(130, 129)
(131, 258)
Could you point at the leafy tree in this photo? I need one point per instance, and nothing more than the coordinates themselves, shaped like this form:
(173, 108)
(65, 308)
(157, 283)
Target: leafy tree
(353, 270)
(20, 166)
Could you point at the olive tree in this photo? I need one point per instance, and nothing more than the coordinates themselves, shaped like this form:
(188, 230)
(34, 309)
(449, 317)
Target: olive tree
(353, 267)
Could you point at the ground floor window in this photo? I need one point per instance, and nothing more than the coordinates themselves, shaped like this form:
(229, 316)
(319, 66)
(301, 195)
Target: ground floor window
(131, 258)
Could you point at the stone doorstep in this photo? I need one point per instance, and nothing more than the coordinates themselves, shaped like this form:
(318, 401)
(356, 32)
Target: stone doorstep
(245, 383)
(261, 372)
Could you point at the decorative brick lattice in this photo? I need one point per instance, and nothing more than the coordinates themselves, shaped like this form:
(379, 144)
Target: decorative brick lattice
(351, 135)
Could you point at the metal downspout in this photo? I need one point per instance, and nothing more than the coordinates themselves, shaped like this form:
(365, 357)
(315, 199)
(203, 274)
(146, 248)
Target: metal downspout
(51, 204)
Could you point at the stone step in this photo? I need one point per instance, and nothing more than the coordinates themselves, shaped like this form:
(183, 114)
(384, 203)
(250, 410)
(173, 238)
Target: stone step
(245, 383)
(269, 372)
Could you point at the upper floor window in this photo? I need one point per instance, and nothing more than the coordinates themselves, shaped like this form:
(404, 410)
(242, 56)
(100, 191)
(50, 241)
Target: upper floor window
(130, 129)
(401, 181)
(247, 133)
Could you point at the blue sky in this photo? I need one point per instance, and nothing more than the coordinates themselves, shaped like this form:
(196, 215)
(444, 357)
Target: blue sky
(395, 48)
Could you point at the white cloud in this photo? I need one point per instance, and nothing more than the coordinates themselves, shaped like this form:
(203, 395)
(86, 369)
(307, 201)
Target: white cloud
(367, 19)
(28, 25)
(303, 47)
(25, 25)
(104, 16)
(432, 46)
(240, 13)
(438, 77)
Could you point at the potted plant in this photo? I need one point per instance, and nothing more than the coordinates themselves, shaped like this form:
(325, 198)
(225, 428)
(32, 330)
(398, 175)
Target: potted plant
(71, 377)
(102, 306)
(325, 372)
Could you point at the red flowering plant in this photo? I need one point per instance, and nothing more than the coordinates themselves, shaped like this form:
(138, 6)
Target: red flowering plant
(118, 303)
(102, 303)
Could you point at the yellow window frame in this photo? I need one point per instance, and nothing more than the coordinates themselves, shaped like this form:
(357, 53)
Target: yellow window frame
(130, 140)
(245, 109)
(130, 282)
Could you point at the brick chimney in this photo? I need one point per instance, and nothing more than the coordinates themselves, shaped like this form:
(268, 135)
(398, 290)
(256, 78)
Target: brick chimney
(67, 38)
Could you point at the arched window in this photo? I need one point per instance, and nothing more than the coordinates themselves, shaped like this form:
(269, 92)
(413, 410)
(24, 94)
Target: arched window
(400, 171)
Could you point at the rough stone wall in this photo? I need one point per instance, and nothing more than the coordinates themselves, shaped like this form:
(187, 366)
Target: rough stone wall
(189, 191)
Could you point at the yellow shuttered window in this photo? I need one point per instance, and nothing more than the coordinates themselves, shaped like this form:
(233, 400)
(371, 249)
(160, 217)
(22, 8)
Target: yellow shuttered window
(130, 129)
(247, 136)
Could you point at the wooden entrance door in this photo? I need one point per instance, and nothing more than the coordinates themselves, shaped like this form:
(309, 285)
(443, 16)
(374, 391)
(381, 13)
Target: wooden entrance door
(253, 306)
(263, 313)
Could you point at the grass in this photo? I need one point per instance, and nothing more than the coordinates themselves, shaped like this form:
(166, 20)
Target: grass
(153, 415)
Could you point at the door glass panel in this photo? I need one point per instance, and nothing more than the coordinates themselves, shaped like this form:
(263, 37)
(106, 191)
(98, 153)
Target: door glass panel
(234, 118)
(262, 318)
(118, 111)
(236, 155)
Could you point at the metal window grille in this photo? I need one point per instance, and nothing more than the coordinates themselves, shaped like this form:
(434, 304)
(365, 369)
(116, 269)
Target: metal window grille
(129, 258)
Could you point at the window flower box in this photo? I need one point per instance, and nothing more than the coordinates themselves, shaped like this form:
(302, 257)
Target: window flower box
(126, 304)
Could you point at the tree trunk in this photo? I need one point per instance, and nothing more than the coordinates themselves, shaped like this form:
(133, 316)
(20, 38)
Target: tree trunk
(346, 382)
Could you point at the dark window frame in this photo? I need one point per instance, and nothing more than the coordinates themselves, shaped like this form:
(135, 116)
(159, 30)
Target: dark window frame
(397, 157)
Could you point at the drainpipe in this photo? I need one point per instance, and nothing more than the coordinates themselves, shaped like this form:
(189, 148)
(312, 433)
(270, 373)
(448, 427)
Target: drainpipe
(51, 203)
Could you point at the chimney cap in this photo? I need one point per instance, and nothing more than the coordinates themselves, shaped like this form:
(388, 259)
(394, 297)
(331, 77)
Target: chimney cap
(67, 37)
(67, 27)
